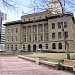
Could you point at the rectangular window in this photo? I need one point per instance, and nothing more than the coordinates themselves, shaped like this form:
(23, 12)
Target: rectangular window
(53, 25)
(7, 47)
(12, 38)
(65, 25)
(59, 25)
(35, 28)
(15, 47)
(29, 28)
(24, 29)
(30, 38)
(15, 38)
(59, 35)
(8, 30)
(41, 38)
(23, 47)
(16, 30)
(46, 46)
(46, 37)
(46, 27)
(40, 27)
(11, 47)
(66, 34)
(35, 37)
(25, 38)
(53, 35)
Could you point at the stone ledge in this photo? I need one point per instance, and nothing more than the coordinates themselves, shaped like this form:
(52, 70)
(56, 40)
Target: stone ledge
(41, 62)
(27, 58)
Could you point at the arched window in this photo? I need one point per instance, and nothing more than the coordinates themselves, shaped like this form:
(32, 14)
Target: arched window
(40, 46)
(53, 46)
(60, 45)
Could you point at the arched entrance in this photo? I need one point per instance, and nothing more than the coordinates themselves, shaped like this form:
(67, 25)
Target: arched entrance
(40, 46)
(34, 48)
(53, 46)
(29, 48)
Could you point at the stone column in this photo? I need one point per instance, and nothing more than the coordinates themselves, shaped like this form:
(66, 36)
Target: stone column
(37, 33)
(32, 33)
(43, 32)
(26, 33)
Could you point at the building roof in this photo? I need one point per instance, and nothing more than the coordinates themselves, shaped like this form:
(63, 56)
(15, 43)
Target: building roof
(39, 20)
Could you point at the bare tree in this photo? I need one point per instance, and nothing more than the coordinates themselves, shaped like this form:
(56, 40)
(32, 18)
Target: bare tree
(67, 6)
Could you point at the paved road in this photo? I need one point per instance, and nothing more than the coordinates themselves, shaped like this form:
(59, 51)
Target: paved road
(12, 65)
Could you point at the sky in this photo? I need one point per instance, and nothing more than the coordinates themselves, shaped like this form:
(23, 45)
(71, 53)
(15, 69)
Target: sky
(22, 7)
(15, 14)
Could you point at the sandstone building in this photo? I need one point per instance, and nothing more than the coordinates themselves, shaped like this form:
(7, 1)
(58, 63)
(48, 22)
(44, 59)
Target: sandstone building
(41, 30)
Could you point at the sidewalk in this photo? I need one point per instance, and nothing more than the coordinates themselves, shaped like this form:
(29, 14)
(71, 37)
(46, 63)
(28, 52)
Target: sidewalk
(12, 65)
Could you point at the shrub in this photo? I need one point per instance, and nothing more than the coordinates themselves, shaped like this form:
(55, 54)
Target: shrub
(50, 51)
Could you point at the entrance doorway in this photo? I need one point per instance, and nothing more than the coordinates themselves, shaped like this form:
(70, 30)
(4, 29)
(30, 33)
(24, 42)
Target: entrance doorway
(34, 48)
(29, 48)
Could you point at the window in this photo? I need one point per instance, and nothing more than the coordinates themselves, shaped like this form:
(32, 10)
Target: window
(53, 35)
(46, 27)
(15, 47)
(40, 27)
(66, 34)
(35, 37)
(7, 47)
(24, 19)
(29, 19)
(30, 38)
(59, 35)
(59, 25)
(53, 25)
(35, 28)
(11, 47)
(12, 38)
(23, 47)
(16, 30)
(46, 37)
(46, 46)
(25, 38)
(12, 29)
(41, 38)
(60, 45)
(24, 29)
(65, 24)
(53, 46)
(29, 28)
(34, 18)
(15, 38)
(8, 30)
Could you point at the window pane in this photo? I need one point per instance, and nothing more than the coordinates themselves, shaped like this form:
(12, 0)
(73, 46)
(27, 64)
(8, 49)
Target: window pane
(60, 45)
(59, 35)
(53, 35)
(65, 25)
(53, 46)
(53, 25)
(59, 25)
(66, 34)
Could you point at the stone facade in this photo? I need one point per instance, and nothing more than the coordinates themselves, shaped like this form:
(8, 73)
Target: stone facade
(41, 31)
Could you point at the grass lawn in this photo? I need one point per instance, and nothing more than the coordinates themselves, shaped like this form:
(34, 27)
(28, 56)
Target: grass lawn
(51, 56)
